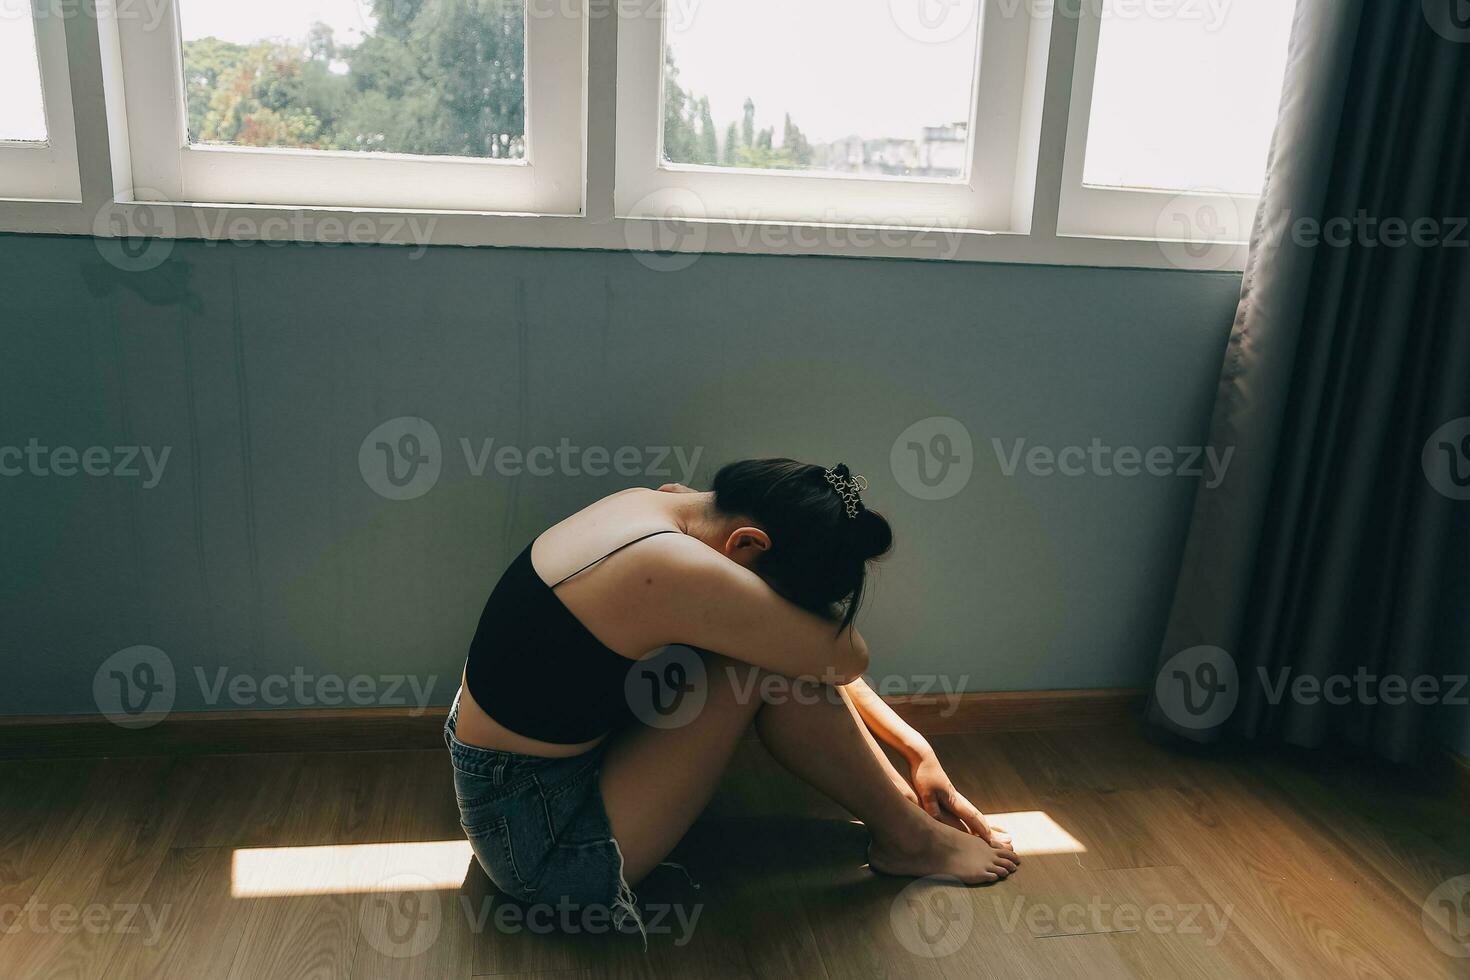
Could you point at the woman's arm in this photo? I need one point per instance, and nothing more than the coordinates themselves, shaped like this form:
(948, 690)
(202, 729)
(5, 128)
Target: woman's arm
(887, 725)
(936, 794)
(689, 593)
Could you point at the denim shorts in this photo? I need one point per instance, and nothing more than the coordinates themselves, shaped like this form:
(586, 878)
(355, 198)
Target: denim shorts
(539, 829)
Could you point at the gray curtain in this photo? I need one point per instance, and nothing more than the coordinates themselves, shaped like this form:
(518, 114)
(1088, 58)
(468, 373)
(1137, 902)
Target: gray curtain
(1336, 547)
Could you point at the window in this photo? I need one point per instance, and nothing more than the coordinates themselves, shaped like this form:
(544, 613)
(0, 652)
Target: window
(23, 113)
(435, 104)
(866, 100)
(1174, 105)
(848, 111)
(1096, 132)
(37, 151)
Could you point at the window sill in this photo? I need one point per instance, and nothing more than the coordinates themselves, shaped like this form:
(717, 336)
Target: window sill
(659, 244)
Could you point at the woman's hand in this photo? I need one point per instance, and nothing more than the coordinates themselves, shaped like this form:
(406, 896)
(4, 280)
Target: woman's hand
(937, 795)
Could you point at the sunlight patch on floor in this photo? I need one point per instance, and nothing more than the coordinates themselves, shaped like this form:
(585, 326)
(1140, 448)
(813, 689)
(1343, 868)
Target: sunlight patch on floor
(334, 869)
(1035, 832)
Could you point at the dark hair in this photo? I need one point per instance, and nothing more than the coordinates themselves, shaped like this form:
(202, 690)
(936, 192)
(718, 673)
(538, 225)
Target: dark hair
(819, 556)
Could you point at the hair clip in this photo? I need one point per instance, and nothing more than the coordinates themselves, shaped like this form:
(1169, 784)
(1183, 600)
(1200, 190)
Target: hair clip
(848, 487)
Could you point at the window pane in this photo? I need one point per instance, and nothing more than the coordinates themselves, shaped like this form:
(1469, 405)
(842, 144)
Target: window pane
(834, 86)
(22, 112)
(1187, 100)
(429, 77)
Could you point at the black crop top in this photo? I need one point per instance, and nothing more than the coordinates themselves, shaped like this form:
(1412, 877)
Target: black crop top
(535, 669)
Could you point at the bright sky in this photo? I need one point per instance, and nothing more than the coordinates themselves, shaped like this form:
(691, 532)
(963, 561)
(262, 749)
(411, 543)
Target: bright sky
(21, 114)
(838, 66)
(234, 20)
(1187, 103)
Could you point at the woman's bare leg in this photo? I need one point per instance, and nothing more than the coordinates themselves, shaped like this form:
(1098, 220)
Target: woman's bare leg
(655, 782)
(818, 735)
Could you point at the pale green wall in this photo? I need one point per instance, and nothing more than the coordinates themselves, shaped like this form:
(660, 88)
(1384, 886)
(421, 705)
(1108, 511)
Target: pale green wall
(263, 549)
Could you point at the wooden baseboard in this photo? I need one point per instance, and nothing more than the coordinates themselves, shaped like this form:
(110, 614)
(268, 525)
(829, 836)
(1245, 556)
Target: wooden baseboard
(377, 729)
(1020, 711)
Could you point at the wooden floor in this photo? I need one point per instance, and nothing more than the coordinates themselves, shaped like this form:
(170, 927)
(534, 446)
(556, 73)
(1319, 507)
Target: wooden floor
(1139, 862)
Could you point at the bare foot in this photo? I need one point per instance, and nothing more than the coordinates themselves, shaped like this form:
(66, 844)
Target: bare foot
(941, 850)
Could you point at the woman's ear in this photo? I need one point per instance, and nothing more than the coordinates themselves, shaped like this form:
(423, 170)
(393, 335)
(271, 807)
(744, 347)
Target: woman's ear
(676, 488)
(746, 545)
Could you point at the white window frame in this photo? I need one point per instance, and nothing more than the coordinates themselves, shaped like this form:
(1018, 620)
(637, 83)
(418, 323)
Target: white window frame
(167, 167)
(46, 170)
(594, 203)
(1210, 223)
(648, 186)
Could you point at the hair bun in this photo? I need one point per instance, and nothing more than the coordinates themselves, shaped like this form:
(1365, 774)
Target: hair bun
(871, 535)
